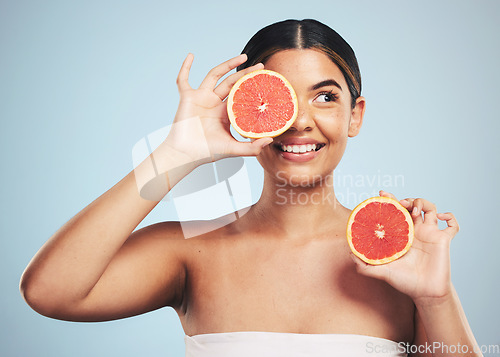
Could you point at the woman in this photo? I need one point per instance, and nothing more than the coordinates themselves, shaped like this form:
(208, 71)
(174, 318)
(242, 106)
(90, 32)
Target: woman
(280, 280)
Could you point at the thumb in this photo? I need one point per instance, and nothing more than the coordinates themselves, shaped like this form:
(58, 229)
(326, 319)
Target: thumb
(381, 272)
(251, 148)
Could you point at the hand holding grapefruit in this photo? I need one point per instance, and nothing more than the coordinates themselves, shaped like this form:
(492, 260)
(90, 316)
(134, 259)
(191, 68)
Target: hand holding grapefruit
(201, 127)
(424, 274)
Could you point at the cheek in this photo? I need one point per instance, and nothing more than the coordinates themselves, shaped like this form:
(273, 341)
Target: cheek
(334, 125)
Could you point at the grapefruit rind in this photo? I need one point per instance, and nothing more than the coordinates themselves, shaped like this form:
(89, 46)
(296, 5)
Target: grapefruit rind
(270, 134)
(391, 258)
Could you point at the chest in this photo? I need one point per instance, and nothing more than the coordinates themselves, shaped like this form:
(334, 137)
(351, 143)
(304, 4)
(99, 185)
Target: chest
(309, 288)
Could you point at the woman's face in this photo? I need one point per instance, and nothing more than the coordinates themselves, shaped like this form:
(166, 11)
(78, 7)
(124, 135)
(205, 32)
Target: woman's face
(325, 118)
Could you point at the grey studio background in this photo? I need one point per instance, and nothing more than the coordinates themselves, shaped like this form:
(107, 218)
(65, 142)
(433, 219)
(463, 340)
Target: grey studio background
(81, 82)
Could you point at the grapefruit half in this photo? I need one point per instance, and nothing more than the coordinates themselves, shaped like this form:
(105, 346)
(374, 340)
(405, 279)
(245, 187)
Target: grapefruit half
(380, 230)
(261, 104)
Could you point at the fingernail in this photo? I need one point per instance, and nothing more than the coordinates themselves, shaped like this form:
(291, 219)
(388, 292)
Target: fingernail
(415, 210)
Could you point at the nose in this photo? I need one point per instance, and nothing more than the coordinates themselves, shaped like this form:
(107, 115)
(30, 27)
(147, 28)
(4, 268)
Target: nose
(304, 121)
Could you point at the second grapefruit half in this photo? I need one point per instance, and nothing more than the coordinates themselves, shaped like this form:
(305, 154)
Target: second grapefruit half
(261, 104)
(380, 230)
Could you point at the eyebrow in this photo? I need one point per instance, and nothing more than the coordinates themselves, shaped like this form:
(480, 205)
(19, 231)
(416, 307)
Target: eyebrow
(326, 82)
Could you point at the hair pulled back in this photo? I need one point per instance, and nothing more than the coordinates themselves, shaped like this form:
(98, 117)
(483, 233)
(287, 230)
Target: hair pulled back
(305, 34)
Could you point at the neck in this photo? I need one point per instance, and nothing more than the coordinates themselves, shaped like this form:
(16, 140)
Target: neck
(297, 210)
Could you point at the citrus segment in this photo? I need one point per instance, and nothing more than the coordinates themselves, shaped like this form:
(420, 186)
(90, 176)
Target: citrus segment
(262, 104)
(380, 230)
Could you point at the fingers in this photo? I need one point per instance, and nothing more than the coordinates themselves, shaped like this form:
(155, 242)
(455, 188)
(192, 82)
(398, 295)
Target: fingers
(223, 89)
(406, 203)
(387, 194)
(418, 205)
(381, 272)
(451, 221)
(216, 73)
(428, 208)
(183, 76)
(250, 148)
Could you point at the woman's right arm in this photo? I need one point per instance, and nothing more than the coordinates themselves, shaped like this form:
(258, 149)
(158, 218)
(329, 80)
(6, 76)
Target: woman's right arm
(96, 267)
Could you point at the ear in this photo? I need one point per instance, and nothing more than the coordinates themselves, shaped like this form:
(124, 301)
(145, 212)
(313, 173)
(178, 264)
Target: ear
(357, 114)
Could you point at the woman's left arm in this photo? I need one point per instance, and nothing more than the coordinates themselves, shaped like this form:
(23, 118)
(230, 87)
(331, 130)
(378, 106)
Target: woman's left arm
(424, 275)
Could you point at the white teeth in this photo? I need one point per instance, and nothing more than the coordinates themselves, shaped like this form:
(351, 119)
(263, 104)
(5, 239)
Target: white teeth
(298, 148)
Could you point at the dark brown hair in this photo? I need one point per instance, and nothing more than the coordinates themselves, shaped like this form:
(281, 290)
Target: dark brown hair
(305, 34)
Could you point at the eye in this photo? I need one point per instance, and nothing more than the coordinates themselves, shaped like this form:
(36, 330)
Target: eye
(326, 97)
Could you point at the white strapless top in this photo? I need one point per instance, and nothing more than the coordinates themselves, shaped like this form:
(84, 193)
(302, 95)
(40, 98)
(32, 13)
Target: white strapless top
(278, 344)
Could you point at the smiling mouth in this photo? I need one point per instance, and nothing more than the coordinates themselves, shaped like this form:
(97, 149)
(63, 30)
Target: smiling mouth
(299, 149)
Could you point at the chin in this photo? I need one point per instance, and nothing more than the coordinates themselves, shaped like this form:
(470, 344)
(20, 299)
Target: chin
(299, 176)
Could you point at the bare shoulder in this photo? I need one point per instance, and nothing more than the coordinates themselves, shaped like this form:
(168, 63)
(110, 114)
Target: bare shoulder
(175, 231)
(178, 240)
(167, 231)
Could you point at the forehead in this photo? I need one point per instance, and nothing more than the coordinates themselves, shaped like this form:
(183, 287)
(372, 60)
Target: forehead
(305, 67)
